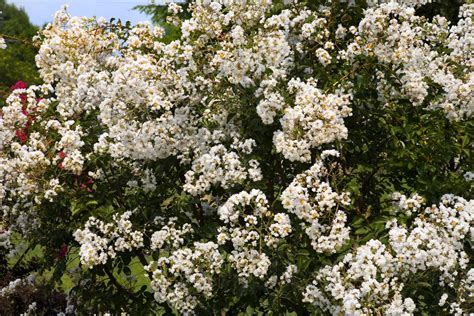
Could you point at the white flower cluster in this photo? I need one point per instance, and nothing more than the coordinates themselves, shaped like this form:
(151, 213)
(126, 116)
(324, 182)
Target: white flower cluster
(219, 166)
(170, 236)
(469, 176)
(27, 156)
(14, 285)
(315, 119)
(187, 272)
(371, 279)
(287, 276)
(434, 240)
(412, 48)
(31, 310)
(3, 44)
(413, 3)
(407, 205)
(249, 224)
(467, 286)
(315, 203)
(100, 241)
(5, 239)
(358, 282)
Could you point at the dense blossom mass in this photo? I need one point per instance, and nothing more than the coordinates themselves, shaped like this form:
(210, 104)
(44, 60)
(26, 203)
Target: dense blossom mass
(214, 160)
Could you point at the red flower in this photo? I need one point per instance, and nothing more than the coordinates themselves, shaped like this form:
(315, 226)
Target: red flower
(22, 136)
(62, 154)
(19, 85)
(63, 251)
(86, 185)
(30, 120)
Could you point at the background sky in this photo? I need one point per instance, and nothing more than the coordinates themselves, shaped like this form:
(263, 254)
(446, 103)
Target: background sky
(41, 11)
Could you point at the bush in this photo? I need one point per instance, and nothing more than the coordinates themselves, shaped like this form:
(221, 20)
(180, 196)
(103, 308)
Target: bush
(285, 157)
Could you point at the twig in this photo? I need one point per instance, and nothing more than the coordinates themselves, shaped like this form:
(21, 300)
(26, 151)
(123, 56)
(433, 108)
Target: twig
(14, 38)
(21, 257)
(118, 285)
(143, 261)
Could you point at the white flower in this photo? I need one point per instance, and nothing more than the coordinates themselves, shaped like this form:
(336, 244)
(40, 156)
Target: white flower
(3, 44)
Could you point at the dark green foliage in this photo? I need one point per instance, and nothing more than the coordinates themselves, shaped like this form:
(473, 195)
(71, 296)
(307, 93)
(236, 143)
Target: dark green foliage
(17, 62)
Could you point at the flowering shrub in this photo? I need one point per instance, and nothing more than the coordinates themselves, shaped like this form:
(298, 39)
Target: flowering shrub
(279, 156)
